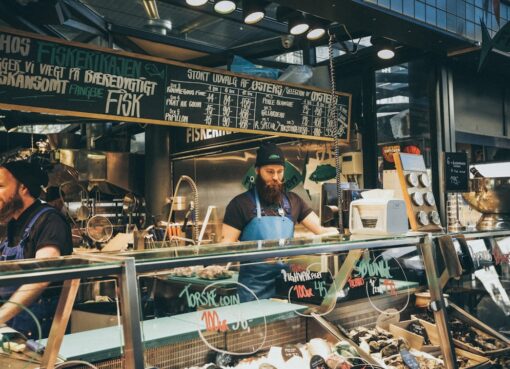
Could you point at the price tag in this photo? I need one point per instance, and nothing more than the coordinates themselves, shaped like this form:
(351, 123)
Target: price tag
(223, 314)
(289, 351)
(307, 285)
(317, 362)
(409, 359)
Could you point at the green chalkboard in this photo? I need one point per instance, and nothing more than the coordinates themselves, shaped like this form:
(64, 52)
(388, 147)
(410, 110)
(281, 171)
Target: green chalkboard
(48, 75)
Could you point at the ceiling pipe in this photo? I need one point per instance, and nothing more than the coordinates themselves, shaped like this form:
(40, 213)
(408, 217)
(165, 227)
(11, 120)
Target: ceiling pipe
(151, 8)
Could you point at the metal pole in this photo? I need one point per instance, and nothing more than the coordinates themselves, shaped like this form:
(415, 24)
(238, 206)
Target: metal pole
(157, 171)
(133, 345)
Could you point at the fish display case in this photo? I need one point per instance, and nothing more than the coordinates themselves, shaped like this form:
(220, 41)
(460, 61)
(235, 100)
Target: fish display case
(35, 340)
(333, 302)
(479, 316)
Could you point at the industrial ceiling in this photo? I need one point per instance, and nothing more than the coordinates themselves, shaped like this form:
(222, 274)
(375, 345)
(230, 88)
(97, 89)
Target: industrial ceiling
(201, 36)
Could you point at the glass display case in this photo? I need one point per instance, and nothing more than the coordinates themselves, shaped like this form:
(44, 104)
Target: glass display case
(70, 285)
(326, 302)
(482, 292)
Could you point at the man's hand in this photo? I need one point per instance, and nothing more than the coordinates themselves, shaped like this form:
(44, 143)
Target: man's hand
(313, 224)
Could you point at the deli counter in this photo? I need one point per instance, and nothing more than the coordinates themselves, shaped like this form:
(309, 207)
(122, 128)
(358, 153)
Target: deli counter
(419, 301)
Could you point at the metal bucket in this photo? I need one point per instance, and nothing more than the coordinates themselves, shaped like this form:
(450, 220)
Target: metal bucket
(491, 197)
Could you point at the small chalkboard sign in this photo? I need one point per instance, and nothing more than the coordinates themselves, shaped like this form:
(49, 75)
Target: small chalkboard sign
(289, 351)
(317, 362)
(456, 168)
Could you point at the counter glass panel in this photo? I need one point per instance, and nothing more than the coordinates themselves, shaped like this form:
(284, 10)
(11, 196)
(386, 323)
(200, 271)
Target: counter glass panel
(253, 310)
(60, 264)
(300, 245)
(82, 299)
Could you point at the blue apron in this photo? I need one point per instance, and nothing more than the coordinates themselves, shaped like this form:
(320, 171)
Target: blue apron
(260, 278)
(44, 308)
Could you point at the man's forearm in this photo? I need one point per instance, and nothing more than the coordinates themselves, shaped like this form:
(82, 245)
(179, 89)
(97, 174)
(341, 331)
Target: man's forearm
(23, 296)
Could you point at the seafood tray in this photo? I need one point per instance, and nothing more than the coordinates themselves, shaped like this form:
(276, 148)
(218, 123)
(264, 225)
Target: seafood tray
(469, 333)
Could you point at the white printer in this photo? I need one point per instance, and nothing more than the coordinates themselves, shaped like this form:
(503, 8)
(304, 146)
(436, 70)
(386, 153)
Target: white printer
(378, 213)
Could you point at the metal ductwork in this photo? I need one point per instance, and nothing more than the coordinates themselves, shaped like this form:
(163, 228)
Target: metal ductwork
(111, 172)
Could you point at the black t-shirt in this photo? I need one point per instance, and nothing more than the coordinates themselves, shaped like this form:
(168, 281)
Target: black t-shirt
(50, 229)
(242, 209)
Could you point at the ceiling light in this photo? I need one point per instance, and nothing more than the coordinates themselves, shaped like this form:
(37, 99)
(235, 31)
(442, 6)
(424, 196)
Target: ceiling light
(253, 11)
(386, 53)
(254, 17)
(151, 8)
(385, 48)
(297, 24)
(224, 6)
(315, 33)
(196, 2)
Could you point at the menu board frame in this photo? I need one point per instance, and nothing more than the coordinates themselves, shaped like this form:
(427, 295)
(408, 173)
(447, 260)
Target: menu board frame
(276, 108)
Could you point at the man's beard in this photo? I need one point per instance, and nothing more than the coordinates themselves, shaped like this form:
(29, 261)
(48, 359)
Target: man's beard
(270, 194)
(9, 208)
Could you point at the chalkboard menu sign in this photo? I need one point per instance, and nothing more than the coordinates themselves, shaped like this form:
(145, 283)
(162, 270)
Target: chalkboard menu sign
(456, 171)
(47, 75)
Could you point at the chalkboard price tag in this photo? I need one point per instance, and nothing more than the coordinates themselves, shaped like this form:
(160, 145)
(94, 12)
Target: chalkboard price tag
(289, 351)
(456, 168)
(317, 362)
(409, 359)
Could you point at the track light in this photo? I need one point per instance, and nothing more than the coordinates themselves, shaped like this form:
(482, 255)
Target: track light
(151, 8)
(224, 6)
(298, 24)
(386, 53)
(196, 2)
(253, 11)
(385, 48)
(316, 31)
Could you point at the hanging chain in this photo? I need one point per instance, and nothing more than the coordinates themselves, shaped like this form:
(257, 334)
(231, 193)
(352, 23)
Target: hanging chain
(333, 116)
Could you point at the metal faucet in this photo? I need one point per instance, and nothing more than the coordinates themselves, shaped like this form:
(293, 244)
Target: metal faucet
(194, 213)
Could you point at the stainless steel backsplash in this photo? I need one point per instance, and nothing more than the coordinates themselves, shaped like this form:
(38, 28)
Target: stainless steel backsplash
(219, 176)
